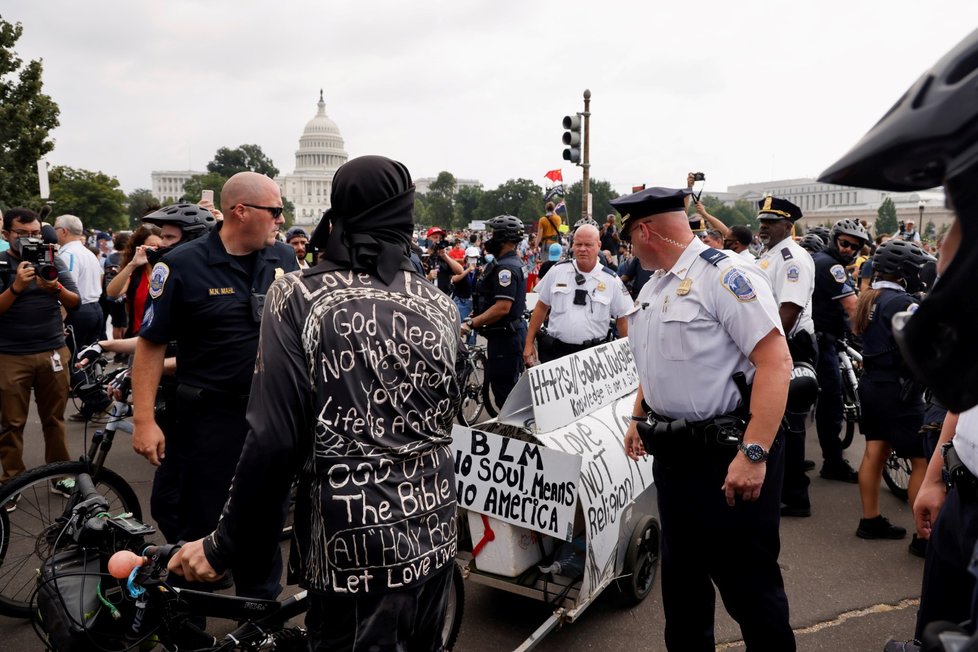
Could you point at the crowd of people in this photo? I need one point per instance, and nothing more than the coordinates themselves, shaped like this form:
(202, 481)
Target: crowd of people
(330, 359)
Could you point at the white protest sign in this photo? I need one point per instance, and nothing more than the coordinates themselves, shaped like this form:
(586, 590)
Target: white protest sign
(516, 481)
(573, 386)
(610, 482)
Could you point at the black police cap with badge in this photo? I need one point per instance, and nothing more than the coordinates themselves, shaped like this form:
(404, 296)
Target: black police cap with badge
(649, 202)
(775, 208)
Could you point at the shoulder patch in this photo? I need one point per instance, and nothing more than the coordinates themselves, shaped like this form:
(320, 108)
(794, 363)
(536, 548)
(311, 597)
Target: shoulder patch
(792, 273)
(786, 254)
(147, 315)
(838, 273)
(739, 285)
(157, 280)
(505, 278)
(712, 256)
(610, 270)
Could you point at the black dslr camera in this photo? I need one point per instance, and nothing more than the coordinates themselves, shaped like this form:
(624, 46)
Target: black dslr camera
(442, 244)
(41, 256)
(699, 176)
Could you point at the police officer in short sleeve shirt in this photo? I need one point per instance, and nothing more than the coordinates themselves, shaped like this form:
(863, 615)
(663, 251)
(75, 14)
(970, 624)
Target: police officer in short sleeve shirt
(704, 316)
(499, 304)
(207, 296)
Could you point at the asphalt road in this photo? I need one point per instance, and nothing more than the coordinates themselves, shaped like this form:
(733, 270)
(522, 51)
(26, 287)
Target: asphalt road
(845, 593)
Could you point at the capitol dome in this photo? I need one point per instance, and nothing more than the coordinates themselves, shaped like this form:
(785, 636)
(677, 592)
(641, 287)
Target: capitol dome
(321, 145)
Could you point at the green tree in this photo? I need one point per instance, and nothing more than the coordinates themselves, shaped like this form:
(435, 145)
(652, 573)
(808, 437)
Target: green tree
(140, 202)
(742, 212)
(440, 196)
(886, 218)
(228, 162)
(466, 202)
(518, 197)
(601, 195)
(930, 231)
(421, 218)
(94, 197)
(199, 182)
(26, 117)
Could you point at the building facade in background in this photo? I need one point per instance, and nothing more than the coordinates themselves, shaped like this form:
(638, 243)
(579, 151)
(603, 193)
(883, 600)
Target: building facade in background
(168, 185)
(321, 151)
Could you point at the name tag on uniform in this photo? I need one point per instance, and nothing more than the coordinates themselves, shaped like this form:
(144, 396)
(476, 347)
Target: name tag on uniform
(560, 285)
(217, 292)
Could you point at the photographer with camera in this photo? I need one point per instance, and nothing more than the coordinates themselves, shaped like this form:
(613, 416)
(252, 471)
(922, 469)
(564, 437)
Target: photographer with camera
(34, 285)
(442, 265)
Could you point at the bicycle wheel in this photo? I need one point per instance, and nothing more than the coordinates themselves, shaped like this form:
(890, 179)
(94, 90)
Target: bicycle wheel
(851, 411)
(470, 409)
(455, 609)
(896, 475)
(32, 529)
(491, 409)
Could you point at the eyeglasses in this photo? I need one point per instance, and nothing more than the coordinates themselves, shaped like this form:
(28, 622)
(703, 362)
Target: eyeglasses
(847, 244)
(627, 235)
(26, 234)
(274, 210)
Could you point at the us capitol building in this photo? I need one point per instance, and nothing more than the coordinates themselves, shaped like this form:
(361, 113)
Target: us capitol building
(320, 153)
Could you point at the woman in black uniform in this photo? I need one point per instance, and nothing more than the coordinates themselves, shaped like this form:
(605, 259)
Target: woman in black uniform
(892, 402)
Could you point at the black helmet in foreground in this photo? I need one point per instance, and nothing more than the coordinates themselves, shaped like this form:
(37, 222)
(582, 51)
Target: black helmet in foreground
(506, 228)
(812, 243)
(192, 219)
(903, 260)
(851, 228)
(929, 138)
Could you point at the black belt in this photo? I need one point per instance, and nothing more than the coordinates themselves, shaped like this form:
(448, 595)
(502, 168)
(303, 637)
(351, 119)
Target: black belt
(566, 348)
(668, 437)
(956, 474)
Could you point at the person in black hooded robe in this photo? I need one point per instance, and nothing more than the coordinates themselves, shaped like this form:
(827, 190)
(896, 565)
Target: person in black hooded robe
(355, 390)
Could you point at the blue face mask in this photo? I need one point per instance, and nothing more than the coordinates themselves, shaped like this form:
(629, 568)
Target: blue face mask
(490, 258)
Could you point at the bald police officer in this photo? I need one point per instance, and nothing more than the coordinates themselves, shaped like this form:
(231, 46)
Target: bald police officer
(791, 272)
(713, 368)
(581, 298)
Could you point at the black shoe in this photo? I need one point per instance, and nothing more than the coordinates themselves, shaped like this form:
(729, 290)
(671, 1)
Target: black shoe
(840, 471)
(809, 465)
(879, 528)
(798, 512)
(918, 547)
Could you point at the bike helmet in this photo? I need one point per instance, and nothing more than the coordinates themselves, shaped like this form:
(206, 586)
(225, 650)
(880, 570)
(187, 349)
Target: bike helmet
(851, 228)
(901, 259)
(193, 220)
(506, 228)
(822, 232)
(812, 243)
(929, 137)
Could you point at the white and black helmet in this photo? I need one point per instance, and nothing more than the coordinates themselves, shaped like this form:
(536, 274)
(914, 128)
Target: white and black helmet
(851, 228)
(192, 219)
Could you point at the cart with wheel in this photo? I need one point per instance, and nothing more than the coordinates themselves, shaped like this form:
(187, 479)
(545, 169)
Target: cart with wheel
(550, 507)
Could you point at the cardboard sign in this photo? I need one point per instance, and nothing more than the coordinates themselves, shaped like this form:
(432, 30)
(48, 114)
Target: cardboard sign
(555, 394)
(516, 481)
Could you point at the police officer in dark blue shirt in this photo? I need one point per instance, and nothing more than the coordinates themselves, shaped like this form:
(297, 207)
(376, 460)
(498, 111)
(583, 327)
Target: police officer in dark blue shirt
(499, 304)
(208, 295)
(833, 301)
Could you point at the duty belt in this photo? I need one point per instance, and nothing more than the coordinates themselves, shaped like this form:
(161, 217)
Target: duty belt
(956, 474)
(666, 438)
(561, 348)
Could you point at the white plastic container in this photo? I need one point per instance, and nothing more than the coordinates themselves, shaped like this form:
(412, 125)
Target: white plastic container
(513, 550)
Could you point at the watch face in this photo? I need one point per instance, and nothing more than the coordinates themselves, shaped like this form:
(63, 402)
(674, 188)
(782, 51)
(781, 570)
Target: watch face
(754, 452)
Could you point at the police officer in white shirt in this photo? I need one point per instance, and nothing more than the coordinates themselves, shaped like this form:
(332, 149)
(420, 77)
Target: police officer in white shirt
(713, 368)
(581, 298)
(791, 272)
(927, 139)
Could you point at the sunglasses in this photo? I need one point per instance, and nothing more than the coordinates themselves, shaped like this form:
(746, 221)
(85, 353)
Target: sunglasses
(846, 244)
(274, 210)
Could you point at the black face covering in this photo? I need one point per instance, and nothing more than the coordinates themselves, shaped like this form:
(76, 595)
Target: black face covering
(494, 247)
(368, 228)
(153, 256)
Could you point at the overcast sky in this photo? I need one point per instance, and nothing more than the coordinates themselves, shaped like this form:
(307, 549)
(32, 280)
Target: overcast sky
(744, 91)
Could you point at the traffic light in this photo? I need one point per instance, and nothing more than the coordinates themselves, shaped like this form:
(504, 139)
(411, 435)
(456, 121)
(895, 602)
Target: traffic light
(572, 139)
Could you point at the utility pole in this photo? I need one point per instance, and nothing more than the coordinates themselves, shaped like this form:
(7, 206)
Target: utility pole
(586, 163)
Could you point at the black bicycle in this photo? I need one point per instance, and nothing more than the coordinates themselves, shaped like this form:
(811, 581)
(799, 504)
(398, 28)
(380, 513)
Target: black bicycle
(896, 475)
(851, 407)
(38, 501)
(106, 589)
(475, 389)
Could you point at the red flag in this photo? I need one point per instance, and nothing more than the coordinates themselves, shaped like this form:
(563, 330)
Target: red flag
(555, 176)
(638, 188)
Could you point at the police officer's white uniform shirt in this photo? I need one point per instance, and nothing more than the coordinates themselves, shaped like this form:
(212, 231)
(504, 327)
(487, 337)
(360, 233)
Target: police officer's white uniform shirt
(693, 327)
(791, 272)
(966, 439)
(607, 299)
(85, 269)
(747, 255)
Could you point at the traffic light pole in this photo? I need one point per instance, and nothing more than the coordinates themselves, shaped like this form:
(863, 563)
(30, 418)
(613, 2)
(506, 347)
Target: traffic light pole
(586, 162)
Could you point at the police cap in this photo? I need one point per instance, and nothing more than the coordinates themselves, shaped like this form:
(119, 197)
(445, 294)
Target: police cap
(648, 202)
(775, 208)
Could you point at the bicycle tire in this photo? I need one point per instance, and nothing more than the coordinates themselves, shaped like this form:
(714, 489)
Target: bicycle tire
(896, 475)
(455, 610)
(473, 380)
(26, 529)
(848, 434)
(851, 412)
(491, 410)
